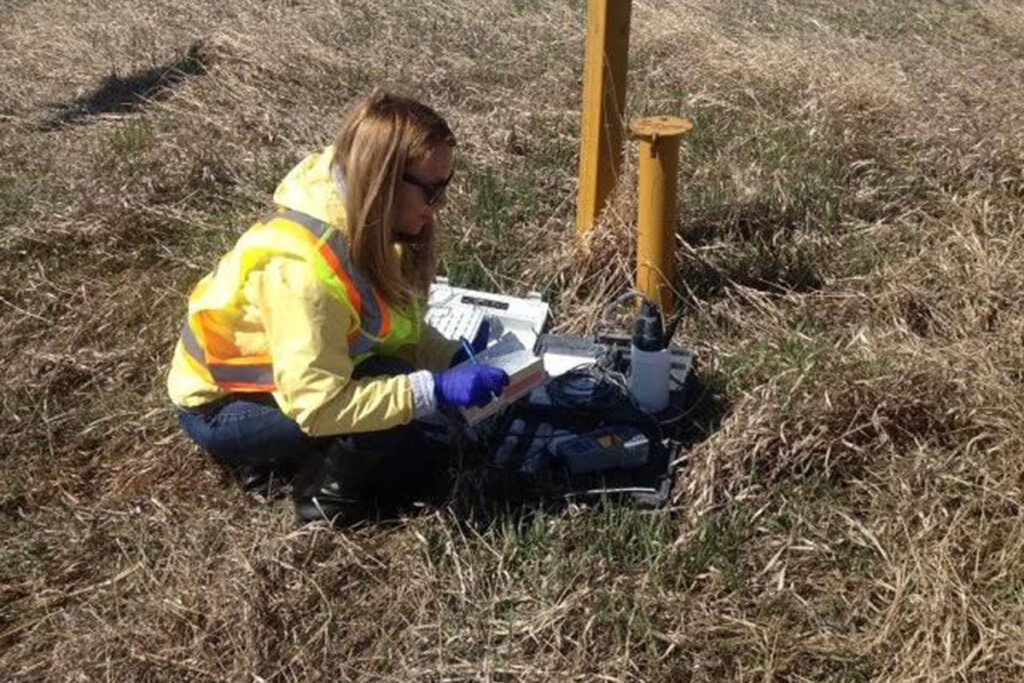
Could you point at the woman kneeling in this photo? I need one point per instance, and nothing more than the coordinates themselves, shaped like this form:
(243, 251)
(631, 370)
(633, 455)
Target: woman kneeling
(304, 353)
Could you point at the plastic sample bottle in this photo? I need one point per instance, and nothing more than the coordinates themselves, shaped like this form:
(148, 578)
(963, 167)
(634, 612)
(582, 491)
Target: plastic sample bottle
(650, 360)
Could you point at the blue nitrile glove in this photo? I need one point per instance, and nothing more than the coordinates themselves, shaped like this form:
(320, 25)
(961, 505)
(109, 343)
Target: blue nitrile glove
(478, 344)
(469, 385)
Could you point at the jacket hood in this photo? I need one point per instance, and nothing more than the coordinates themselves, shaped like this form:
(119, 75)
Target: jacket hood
(310, 189)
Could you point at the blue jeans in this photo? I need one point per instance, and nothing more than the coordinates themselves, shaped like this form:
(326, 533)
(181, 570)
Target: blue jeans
(250, 431)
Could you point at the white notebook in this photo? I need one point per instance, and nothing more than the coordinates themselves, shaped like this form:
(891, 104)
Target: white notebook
(525, 371)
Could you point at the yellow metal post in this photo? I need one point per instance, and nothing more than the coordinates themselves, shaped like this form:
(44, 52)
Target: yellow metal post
(604, 97)
(659, 138)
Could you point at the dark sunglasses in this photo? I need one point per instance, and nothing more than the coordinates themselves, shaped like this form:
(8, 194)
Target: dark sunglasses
(432, 192)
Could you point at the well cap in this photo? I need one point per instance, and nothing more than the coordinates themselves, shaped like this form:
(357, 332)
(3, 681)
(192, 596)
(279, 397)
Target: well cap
(659, 126)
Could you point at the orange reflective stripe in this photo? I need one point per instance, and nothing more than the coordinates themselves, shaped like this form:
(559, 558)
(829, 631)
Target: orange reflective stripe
(249, 373)
(217, 342)
(208, 335)
(370, 307)
(329, 250)
(354, 297)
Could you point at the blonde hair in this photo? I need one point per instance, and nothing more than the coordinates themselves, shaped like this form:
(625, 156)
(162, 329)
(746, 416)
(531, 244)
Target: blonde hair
(381, 136)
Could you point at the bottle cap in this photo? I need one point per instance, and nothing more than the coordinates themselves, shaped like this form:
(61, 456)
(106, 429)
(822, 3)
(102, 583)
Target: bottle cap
(648, 330)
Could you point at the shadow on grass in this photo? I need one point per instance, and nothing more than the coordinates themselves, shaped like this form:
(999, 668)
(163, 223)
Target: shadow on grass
(117, 95)
(763, 267)
(756, 248)
(706, 408)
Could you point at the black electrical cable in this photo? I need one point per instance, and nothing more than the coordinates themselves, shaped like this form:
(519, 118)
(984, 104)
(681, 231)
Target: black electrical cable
(598, 388)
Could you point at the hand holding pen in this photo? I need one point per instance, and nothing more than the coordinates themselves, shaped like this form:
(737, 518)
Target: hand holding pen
(469, 350)
(473, 384)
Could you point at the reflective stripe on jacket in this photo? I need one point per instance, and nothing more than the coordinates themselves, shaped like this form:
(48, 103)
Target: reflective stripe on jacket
(207, 333)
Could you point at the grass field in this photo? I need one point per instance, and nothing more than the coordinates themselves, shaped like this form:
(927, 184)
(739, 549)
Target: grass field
(851, 273)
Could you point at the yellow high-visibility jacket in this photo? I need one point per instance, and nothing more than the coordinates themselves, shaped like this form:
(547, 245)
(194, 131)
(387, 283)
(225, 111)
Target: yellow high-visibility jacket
(285, 312)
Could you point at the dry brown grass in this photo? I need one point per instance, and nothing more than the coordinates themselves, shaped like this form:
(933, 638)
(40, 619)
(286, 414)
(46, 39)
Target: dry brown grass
(851, 274)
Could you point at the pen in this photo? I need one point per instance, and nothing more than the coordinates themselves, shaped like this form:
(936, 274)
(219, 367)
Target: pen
(468, 348)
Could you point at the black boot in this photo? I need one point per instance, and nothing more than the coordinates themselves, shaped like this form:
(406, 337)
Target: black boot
(253, 479)
(330, 487)
(267, 481)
